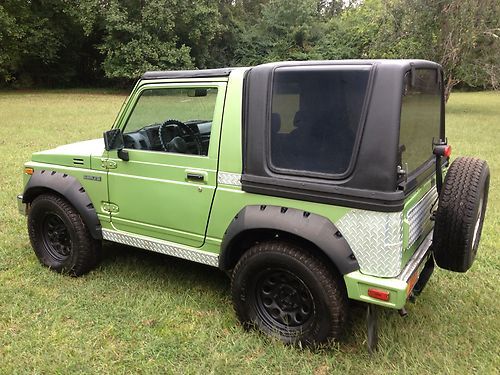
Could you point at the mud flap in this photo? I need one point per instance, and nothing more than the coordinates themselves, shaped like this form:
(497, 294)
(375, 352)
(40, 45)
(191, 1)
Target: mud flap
(372, 328)
(424, 277)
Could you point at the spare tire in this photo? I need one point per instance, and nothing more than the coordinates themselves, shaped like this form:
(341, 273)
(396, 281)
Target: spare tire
(460, 214)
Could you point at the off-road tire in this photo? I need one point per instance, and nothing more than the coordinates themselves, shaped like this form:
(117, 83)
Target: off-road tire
(460, 214)
(59, 236)
(299, 276)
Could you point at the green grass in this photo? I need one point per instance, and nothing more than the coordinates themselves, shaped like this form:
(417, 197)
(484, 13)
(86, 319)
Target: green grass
(148, 313)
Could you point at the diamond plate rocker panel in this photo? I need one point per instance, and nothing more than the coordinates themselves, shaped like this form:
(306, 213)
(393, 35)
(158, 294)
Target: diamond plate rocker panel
(376, 239)
(229, 178)
(163, 247)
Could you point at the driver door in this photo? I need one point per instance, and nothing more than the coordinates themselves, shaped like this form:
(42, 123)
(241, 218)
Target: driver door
(165, 189)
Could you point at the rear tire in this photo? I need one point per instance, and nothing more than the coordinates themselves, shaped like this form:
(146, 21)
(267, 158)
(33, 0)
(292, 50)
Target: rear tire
(288, 293)
(460, 214)
(59, 236)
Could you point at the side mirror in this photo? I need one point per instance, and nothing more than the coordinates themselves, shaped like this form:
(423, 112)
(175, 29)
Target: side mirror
(113, 139)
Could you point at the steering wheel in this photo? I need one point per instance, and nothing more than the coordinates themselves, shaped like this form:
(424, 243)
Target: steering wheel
(177, 143)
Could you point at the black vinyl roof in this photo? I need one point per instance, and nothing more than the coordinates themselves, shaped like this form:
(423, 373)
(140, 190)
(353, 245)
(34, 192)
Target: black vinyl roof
(224, 72)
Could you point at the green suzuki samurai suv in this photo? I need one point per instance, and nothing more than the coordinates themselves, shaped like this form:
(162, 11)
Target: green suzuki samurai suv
(309, 183)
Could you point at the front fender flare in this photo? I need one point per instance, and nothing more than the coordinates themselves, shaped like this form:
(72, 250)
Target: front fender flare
(70, 188)
(314, 228)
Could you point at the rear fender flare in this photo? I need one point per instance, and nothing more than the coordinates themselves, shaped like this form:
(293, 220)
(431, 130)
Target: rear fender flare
(311, 227)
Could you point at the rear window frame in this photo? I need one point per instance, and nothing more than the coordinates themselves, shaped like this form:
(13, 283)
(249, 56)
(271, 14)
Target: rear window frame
(360, 126)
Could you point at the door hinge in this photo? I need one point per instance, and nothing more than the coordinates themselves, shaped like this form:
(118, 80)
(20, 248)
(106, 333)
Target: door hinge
(110, 207)
(108, 164)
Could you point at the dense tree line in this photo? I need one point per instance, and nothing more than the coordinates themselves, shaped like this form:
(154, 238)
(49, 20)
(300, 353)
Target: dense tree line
(90, 42)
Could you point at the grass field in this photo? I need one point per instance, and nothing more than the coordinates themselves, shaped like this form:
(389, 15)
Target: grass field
(147, 313)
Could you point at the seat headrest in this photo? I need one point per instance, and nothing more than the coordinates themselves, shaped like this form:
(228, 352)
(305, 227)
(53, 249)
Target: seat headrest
(304, 118)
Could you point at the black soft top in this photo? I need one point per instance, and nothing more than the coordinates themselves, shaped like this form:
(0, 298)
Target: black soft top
(397, 64)
(371, 181)
(202, 73)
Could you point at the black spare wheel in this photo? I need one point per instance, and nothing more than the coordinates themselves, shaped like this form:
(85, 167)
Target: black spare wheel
(59, 236)
(460, 214)
(288, 293)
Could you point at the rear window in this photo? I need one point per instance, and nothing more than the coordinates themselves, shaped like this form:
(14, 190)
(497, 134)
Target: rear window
(420, 118)
(316, 114)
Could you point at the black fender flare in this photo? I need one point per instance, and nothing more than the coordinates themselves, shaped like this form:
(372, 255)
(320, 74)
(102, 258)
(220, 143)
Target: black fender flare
(311, 227)
(70, 188)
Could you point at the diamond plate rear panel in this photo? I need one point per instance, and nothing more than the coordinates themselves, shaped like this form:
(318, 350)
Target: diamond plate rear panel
(419, 215)
(376, 239)
(163, 247)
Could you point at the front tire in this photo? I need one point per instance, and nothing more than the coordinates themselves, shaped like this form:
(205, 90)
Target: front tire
(288, 293)
(59, 236)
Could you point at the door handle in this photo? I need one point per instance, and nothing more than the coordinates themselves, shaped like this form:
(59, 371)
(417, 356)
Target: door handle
(198, 176)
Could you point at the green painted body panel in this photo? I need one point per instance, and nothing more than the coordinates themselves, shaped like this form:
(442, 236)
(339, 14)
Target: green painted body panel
(96, 190)
(231, 142)
(166, 204)
(65, 155)
(230, 200)
(155, 198)
(357, 285)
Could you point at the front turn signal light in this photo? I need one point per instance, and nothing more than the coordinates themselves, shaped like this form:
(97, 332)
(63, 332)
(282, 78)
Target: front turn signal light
(29, 171)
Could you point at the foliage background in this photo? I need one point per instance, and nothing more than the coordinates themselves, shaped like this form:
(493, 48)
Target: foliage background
(55, 43)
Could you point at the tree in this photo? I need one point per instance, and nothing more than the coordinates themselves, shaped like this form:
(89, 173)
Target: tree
(139, 38)
(43, 43)
(57, 42)
(469, 45)
(459, 34)
(286, 30)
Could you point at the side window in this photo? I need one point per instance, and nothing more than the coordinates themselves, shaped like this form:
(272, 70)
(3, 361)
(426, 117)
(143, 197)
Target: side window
(175, 120)
(316, 114)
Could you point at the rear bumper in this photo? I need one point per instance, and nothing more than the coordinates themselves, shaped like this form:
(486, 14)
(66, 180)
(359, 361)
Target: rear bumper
(21, 206)
(398, 287)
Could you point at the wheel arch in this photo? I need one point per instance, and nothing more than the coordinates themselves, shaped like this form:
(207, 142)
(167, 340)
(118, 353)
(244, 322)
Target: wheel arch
(260, 223)
(67, 186)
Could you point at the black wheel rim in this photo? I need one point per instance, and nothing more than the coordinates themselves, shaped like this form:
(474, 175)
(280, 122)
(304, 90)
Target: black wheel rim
(283, 301)
(56, 237)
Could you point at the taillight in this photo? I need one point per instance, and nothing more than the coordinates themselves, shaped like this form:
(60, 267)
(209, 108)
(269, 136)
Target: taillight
(382, 295)
(442, 150)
